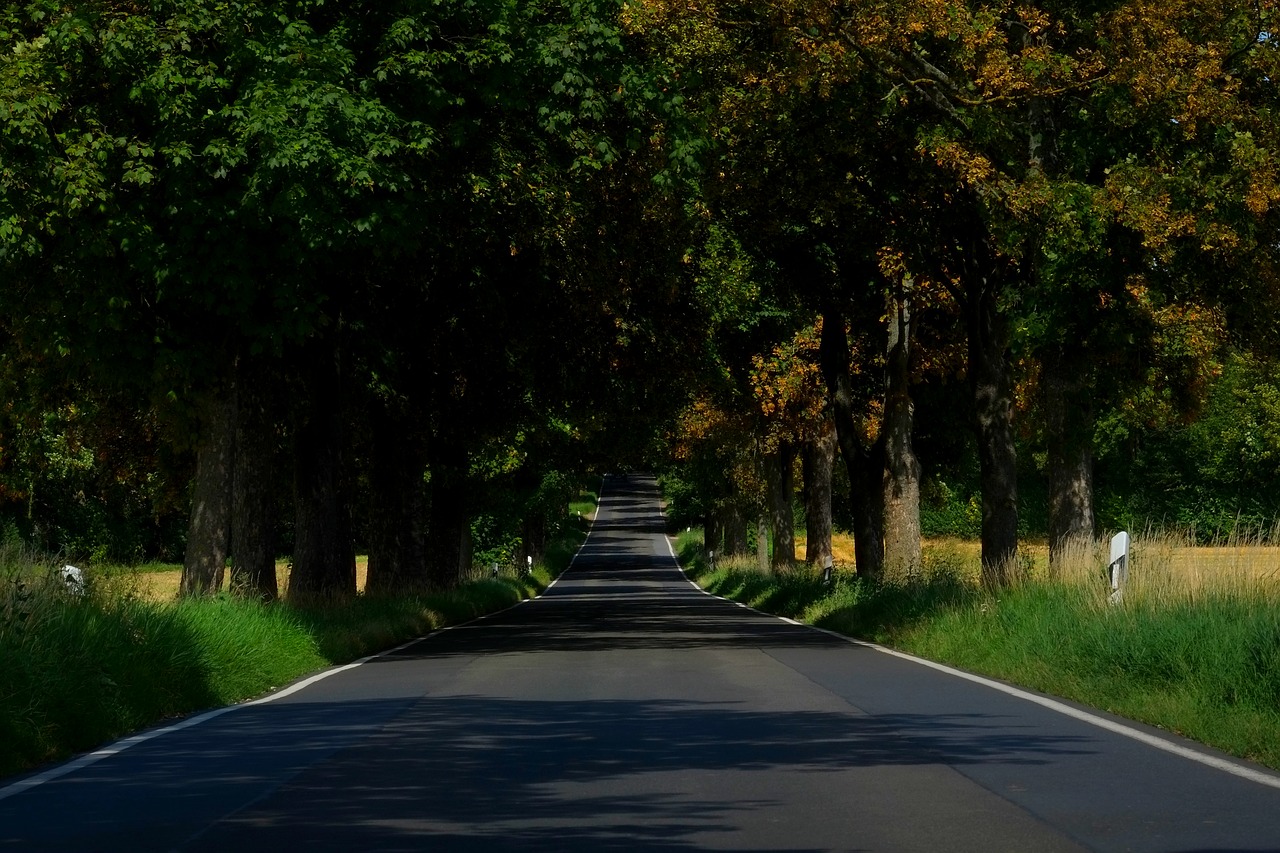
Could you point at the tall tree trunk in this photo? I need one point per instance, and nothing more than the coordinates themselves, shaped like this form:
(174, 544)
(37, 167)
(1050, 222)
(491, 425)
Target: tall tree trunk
(466, 551)
(1068, 407)
(253, 520)
(762, 542)
(901, 468)
(867, 501)
(397, 512)
(533, 538)
(448, 517)
(711, 532)
(733, 521)
(779, 481)
(323, 558)
(817, 461)
(993, 410)
(735, 528)
(209, 529)
(865, 465)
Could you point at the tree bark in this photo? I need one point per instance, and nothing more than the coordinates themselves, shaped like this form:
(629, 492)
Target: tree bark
(323, 555)
(1068, 408)
(735, 529)
(779, 480)
(993, 423)
(397, 514)
(253, 520)
(711, 532)
(902, 468)
(817, 461)
(447, 517)
(533, 540)
(209, 529)
(733, 521)
(762, 542)
(865, 465)
(466, 550)
(866, 483)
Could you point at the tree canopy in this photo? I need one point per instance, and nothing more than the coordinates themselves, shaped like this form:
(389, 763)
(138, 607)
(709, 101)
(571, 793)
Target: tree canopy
(425, 263)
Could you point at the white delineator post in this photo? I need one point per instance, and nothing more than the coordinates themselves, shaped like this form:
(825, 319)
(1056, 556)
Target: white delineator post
(73, 579)
(1118, 568)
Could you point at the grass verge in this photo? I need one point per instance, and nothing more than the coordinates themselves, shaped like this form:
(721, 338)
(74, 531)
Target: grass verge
(79, 670)
(1201, 659)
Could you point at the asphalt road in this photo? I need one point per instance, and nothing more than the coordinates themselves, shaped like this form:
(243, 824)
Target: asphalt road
(626, 710)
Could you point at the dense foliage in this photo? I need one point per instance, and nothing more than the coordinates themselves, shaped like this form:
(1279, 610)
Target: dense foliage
(301, 276)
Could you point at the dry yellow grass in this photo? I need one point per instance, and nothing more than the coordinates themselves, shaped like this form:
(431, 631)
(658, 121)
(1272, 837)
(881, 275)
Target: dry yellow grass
(967, 552)
(163, 586)
(841, 548)
(1161, 565)
(1169, 570)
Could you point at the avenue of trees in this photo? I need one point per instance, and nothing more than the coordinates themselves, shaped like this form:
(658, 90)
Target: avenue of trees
(297, 276)
(1073, 206)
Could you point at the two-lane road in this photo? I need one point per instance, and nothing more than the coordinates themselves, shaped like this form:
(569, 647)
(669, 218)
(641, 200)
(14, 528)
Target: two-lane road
(626, 710)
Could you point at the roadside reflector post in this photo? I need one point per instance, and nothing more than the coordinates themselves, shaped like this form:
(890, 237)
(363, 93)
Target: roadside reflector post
(711, 556)
(528, 564)
(494, 571)
(1118, 568)
(826, 570)
(73, 579)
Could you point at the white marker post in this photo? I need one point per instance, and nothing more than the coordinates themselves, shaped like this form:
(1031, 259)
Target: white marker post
(826, 570)
(1118, 568)
(528, 566)
(73, 579)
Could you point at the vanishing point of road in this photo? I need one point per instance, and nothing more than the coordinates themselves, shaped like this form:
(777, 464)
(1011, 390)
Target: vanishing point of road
(625, 710)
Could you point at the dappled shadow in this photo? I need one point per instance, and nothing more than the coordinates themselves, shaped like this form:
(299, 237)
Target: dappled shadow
(485, 769)
(620, 595)
(594, 621)
(499, 773)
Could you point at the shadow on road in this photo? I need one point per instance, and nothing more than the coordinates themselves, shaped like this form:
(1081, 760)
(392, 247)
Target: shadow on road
(446, 767)
(472, 772)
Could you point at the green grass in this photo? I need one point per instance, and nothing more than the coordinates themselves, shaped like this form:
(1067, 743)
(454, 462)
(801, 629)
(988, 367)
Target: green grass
(77, 671)
(1209, 669)
(1206, 665)
(584, 505)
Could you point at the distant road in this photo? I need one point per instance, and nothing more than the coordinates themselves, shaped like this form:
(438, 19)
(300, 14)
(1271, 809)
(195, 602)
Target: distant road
(626, 710)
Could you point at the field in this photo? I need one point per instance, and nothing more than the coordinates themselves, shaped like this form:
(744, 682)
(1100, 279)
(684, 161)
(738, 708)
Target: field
(1160, 563)
(159, 581)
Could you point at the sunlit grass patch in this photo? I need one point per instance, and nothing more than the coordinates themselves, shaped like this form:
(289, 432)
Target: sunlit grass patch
(584, 505)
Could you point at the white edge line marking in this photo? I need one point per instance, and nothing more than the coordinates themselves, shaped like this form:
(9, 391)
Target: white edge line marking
(1225, 765)
(121, 745)
(1147, 738)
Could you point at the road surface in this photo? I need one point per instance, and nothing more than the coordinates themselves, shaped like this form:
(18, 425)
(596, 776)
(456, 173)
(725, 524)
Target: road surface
(626, 710)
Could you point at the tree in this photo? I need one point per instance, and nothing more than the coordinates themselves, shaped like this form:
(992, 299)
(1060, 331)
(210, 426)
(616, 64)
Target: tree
(250, 170)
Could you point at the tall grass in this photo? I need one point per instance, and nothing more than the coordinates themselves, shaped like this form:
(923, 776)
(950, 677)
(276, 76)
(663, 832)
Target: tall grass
(78, 670)
(1192, 646)
(81, 668)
